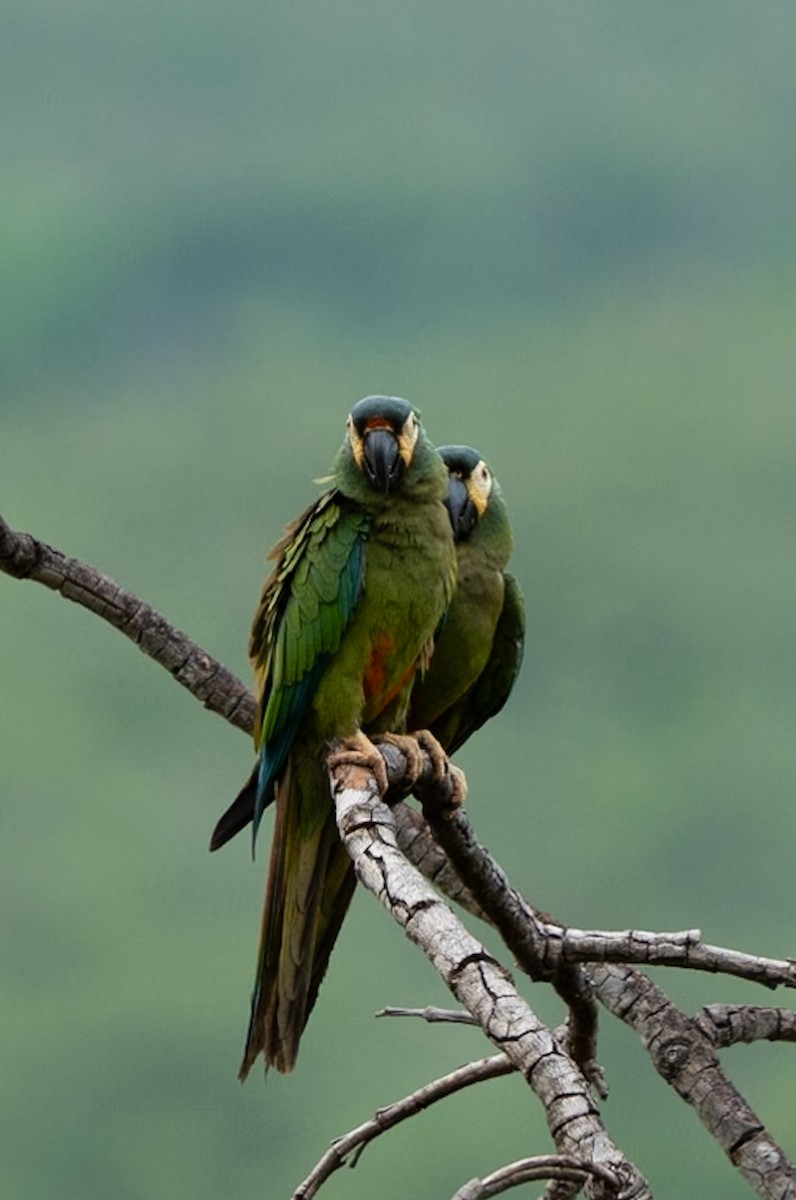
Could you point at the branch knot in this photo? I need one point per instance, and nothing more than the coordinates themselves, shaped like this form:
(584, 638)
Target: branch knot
(20, 554)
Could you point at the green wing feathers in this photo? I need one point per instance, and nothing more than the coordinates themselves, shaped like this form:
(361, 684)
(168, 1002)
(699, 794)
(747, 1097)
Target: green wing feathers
(493, 686)
(305, 607)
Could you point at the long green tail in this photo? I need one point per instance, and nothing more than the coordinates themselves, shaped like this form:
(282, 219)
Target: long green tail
(310, 884)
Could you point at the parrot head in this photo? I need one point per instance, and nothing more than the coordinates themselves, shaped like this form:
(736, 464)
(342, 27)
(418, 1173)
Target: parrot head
(382, 432)
(470, 488)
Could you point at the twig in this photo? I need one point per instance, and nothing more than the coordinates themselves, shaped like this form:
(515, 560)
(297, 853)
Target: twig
(25, 557)
(729, 1024)
(681, 949)
(386, 1118)
(545, 947)
(528, 1170)
(441, 1016)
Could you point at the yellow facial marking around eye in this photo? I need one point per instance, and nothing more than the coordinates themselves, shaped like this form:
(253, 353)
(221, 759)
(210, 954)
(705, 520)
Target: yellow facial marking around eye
(479, 487)
(407, 438)
(357, 443)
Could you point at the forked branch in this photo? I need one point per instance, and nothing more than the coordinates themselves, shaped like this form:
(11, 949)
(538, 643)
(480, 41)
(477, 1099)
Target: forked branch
(680, 1049)
(477, 980)
(353, 1143)
(559, 1167)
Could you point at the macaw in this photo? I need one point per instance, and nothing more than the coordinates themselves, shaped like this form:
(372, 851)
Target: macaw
(478, 650)
(345, 621)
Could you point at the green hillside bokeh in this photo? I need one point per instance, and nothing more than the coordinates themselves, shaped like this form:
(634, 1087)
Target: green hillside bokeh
(568, 234)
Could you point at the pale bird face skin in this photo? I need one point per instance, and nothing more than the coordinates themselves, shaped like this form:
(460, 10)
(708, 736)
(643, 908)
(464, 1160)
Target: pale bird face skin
(479, 486)
(470, 487)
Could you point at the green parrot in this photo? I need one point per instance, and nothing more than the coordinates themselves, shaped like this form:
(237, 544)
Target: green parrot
(345, 621)
(478, 651)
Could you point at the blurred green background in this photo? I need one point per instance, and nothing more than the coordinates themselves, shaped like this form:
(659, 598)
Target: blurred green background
(567, 233)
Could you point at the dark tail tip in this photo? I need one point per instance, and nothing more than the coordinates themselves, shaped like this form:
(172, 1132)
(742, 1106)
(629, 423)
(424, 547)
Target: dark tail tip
(238, 815)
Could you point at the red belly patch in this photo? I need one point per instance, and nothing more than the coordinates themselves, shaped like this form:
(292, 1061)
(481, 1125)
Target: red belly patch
(380, 683)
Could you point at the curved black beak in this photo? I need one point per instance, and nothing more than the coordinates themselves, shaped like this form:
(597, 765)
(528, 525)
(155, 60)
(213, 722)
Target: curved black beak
(462, 511)
(384, 466)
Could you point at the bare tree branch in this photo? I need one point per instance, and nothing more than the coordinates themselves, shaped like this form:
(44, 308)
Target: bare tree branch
(400, 1110)
(728, 1024)
(680, 1051)
(434, 1016)
(458, 1016)
(682, 949)
(417, 843)
(545, 947)
(474, 977)
(681, 1047)
(684, 1057)
(528, 1170)
(25, 557)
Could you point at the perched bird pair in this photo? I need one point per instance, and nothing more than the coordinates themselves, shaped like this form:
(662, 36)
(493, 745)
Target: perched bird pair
(361, 630)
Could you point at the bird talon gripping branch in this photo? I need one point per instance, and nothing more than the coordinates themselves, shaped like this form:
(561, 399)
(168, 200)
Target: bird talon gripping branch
(360, 751)
(436, 753)
(408, 746)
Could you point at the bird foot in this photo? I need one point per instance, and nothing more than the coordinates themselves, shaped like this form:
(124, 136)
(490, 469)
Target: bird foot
(359, 751)
(409, 748)
(447, 789)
